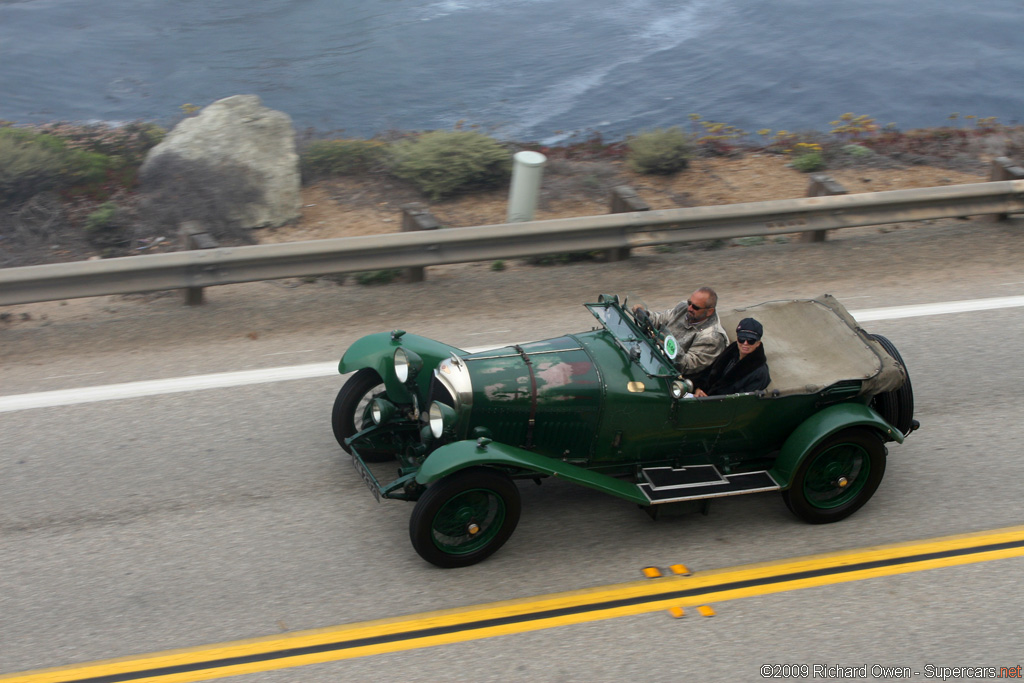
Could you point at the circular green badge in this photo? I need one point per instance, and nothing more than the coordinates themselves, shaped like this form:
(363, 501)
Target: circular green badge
(671, 348)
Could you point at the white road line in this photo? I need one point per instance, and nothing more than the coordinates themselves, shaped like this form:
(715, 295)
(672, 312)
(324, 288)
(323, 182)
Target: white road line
(944, 308)
(109, 392)
(78, 374)
(220, 380)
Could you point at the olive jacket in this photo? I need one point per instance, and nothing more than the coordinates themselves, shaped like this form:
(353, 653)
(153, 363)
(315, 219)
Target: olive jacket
(699, 344)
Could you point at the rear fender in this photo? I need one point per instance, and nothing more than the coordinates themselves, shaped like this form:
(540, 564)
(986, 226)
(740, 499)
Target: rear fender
(462, 454)
(819, 427)
(377, 351)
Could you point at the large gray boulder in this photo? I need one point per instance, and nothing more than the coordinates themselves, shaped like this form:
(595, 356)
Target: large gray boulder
(239, 133)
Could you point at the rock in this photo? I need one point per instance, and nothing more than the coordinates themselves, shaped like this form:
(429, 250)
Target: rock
(240, 132)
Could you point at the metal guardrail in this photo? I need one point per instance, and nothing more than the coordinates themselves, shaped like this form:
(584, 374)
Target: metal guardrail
(228, 265)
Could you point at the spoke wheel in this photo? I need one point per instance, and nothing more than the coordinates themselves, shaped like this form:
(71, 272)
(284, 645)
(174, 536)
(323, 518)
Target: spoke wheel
(838, 477)
(351, 412)
(465, 517)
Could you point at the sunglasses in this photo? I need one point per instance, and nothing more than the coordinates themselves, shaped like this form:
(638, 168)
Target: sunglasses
(696, 307)
(746, 341)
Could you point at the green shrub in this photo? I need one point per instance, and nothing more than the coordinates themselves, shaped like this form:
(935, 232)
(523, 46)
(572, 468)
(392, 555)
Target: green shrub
(104, 158)
(444, 163)
(378, 277)
(661, 151)
(33, 162)
(87, 171)
(563, 259)
(127, 144)
(808, 163)
(857, 151)
(342, 157)
(28, 166)
(106, 225)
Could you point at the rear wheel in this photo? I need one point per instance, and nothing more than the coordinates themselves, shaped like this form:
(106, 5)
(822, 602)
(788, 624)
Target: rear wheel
(465, 517)
(351, 412)
(897, 406)
(838, 477)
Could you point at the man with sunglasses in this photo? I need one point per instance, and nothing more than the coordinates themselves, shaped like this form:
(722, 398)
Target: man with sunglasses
(741, 368)
(694, 324)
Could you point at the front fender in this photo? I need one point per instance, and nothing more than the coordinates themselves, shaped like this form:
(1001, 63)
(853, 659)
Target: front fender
(377, 350)
(819, 427)
(462, 454)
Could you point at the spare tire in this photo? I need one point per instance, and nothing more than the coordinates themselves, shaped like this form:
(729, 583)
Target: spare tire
(897, 406)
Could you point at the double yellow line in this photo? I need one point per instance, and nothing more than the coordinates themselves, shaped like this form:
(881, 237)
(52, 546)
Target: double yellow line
(531, 614)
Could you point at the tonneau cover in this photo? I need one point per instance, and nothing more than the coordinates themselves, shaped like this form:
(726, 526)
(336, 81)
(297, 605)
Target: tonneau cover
(814, 343)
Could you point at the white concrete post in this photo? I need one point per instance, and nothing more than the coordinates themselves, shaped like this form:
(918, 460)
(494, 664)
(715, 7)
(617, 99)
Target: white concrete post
(527, 168)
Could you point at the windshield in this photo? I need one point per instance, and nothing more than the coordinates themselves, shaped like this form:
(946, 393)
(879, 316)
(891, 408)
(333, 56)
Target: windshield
(636, 345)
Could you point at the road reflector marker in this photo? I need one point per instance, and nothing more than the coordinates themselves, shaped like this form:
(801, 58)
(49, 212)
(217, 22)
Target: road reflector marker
(652, 572)
(677, 612)
(681, 570)
(706, 610)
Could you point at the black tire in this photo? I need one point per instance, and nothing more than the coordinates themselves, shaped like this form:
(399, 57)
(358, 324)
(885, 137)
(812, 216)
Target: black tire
(896, 407)
(465, 517)
(351, 406)
(837, 477)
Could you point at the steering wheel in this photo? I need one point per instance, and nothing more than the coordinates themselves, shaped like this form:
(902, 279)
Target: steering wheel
(643, 321)
(666, 342)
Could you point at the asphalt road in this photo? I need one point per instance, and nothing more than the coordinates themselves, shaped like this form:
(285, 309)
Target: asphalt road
(139, 525)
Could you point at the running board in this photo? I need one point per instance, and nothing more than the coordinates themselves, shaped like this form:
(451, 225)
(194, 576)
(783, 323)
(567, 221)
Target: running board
(671, 485)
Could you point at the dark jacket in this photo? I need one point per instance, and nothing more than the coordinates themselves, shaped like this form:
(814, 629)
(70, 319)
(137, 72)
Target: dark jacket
(731, 375)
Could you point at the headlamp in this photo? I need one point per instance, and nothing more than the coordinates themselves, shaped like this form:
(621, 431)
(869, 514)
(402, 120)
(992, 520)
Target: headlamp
(441, 418)
(407, 364)
(381, 410)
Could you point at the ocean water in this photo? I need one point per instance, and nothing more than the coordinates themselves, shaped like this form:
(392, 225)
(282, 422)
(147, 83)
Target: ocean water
(521, 69)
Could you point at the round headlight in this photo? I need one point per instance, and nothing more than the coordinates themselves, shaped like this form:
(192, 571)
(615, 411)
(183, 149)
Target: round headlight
(381, 410)
(440, 417)
(407, 364)
(436, 420)
(681, 388)
(401, 365)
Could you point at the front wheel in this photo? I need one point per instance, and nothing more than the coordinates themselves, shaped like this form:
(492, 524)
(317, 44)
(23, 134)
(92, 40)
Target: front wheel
(838, 477)
(351, 411)
(465, 517)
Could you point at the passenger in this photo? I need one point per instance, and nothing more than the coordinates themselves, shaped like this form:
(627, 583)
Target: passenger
(694, 324)
(742, 368)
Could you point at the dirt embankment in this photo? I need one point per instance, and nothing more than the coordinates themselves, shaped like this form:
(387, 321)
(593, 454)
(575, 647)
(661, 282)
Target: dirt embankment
(369, 205)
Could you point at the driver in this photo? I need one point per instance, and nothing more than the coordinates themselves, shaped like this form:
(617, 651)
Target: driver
(694, 324)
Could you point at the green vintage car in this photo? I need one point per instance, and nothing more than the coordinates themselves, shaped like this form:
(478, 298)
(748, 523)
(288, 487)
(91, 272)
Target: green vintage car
(607, 409)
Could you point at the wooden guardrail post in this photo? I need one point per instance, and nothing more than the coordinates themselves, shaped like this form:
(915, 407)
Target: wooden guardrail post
(1003, 168)
(194, 236)
(821, 185)
(624, 199)
(416, 216)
